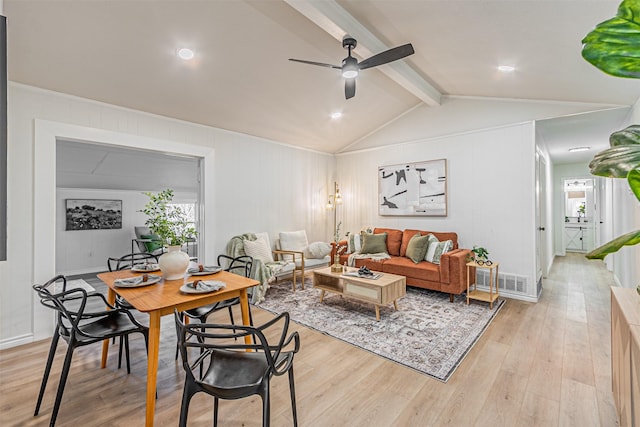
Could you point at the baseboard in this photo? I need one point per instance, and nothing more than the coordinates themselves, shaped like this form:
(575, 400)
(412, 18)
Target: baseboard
(16, 341)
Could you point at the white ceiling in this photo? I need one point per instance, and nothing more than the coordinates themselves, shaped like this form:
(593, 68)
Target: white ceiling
(123, 53)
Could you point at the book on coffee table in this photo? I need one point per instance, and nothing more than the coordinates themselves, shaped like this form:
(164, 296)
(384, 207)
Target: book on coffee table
(363, 276)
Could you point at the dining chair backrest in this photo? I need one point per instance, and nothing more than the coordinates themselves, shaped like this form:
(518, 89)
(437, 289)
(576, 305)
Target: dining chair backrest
(241, 265)
(127, 261)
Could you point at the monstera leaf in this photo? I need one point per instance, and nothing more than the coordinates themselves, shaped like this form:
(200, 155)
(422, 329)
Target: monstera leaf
(614, 45)
(628, 239)
(622, 157)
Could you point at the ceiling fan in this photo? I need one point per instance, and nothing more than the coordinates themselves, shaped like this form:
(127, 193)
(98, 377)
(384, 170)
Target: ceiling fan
(350, 65)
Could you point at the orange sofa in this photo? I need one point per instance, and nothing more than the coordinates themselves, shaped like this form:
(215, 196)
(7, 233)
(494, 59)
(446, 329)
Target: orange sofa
(450, 276)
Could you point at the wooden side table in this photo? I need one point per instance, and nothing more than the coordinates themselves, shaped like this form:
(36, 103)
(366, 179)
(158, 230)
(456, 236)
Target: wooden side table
(476, 294)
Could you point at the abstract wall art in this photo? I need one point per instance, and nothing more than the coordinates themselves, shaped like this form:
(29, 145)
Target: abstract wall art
(413, 189)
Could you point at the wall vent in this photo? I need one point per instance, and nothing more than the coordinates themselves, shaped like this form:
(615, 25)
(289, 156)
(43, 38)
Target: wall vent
(511, 283)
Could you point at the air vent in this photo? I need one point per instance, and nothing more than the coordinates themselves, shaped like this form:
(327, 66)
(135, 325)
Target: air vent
(510, 283)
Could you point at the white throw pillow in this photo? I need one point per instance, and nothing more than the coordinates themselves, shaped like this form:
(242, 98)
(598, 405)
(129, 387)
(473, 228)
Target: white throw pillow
(317, 250)
(258, 249)
(355, 243)
(436, 249)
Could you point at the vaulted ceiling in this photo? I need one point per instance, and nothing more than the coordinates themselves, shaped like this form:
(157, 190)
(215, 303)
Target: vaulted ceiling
(124, 53)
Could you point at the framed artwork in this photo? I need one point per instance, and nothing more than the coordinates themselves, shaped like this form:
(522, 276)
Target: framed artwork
(93, 214)
(413, 189)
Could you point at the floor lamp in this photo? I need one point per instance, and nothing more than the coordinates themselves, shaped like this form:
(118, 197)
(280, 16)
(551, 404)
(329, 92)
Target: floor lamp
(335, 199)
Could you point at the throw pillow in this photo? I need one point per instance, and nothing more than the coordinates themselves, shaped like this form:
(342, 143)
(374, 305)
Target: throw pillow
(374, 243)
(355, 243)
(417, 248)
(317, 250)
(154, 245)
(436, 249)
(258, 249)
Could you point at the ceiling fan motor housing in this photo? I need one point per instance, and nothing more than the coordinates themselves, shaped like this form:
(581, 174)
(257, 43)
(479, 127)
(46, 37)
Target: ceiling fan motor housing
(349, 42)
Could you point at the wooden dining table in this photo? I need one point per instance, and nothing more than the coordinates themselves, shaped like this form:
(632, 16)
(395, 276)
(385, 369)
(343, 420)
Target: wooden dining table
(161, 299)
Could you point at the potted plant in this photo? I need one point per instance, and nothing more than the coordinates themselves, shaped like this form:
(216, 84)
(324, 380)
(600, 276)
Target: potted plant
(613, 48)
(479, 254)
(172, 225)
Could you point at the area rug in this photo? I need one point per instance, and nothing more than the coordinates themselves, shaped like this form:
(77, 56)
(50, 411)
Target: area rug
(427, 333)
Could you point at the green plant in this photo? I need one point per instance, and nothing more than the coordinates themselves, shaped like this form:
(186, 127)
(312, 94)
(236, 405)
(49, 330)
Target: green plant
(613, 48)
(169, 222)
(479, 253)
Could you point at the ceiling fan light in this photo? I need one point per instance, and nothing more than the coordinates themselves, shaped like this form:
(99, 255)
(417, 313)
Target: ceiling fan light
(349, 74)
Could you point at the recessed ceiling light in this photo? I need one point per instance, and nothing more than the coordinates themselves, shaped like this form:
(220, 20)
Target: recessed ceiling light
(336, 115)
(506, 68)
(576, 149)
(185, 53)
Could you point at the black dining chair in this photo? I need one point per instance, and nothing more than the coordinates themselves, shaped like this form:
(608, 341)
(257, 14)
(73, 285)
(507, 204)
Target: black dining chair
(126, 262)
(234, 369)
(241, 265)
(79, 325)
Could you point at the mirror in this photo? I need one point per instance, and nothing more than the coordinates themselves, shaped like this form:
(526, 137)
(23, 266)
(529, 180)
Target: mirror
(578, 196)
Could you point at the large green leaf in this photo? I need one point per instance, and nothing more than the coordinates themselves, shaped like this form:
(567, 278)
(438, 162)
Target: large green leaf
(616, 162)
(634, 182)
(627, 136)
(614, 45)
(628, 239)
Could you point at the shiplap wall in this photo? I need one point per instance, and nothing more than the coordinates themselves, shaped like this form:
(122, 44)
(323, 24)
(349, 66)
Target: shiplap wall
(491, 192)
(259, 186)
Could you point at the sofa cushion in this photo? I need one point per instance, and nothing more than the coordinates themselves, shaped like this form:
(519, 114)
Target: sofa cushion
(447, 236)
(417, 247)
(394, 239)
(355, 243)
(293, 241)
(374, 243)
(405, 267)
(154, 244)
(406, 236)
(436, 249)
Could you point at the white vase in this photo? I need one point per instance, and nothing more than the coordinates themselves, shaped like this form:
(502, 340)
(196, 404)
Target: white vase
(174, 263)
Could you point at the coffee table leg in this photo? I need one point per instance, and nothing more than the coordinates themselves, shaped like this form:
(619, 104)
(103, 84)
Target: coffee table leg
(395, 304)
(377, 313)
(321, 295)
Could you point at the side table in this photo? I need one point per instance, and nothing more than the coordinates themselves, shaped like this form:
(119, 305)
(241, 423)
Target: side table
(476, 294)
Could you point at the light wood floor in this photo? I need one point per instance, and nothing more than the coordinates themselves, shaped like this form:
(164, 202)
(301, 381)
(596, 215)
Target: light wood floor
(544, 364)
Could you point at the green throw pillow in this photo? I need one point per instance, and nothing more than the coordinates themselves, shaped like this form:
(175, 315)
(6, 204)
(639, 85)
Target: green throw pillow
(374, 243)
(417, 247)
(154, 245)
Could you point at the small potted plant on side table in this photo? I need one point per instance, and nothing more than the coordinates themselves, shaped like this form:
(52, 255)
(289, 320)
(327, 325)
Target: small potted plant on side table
(172, 224)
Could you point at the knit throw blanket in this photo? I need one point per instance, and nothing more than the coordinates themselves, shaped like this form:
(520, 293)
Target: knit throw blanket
(376, 257)
(262, 272)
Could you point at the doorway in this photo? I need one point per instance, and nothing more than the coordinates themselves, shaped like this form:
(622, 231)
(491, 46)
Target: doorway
(579, 214)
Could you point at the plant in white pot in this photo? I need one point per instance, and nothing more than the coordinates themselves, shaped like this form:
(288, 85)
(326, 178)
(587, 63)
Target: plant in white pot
(172, 224)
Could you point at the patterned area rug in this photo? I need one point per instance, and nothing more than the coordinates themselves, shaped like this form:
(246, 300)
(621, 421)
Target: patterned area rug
(427, 333)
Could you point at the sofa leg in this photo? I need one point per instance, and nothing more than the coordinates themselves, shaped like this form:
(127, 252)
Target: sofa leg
(450, 297)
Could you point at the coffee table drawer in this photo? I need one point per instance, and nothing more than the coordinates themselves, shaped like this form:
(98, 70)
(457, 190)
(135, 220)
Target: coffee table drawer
(362, 292)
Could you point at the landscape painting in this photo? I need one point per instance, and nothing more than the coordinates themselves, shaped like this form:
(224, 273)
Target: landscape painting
(92, 214)
(413, 189)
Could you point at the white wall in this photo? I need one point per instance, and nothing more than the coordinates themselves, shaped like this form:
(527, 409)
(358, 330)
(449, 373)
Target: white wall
(491, 199)
(257, 185)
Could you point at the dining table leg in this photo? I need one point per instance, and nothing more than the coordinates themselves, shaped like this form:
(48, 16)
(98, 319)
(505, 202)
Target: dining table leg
(152, 365)
(244, 308)
(111, 299)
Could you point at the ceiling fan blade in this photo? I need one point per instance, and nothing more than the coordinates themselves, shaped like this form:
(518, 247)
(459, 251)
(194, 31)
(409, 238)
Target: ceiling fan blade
(387, 56)
(349, 88)
(320, 64)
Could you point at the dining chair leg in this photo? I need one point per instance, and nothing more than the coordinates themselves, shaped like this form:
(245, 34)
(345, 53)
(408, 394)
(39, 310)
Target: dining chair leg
(216, 402)
(126, 352)
(63, 381)
(120, 351)
(292, 389)
(266, 405)
(47, 369)
(187, 394)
